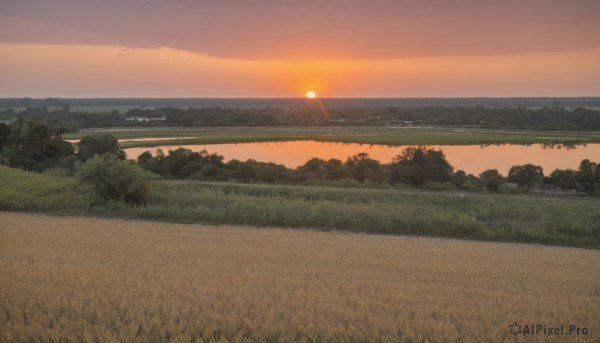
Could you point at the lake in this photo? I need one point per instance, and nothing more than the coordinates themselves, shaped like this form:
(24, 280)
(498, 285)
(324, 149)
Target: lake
(470, 158)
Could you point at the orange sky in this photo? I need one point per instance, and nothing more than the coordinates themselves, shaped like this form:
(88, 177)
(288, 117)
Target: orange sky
(159, 48)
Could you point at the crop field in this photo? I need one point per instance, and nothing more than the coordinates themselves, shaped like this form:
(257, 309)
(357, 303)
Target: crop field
(83, 279)
(368, 135)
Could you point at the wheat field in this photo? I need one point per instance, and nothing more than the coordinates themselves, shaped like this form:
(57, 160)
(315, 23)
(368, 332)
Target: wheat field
(74, 279)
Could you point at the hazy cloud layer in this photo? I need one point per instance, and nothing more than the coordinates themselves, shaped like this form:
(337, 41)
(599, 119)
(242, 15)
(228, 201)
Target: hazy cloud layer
(310, 29)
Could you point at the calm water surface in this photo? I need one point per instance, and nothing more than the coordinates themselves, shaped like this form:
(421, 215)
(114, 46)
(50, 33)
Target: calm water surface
(470, 158)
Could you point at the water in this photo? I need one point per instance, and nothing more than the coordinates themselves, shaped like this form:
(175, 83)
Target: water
(470, 158)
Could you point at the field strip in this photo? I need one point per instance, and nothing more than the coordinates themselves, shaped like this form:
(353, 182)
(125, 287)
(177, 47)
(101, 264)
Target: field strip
(82, 278)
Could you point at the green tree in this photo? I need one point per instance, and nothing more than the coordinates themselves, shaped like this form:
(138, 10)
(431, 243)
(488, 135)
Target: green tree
(491, 179)
(144, 157)
(565, 179)
(314, 168)
(110, 178)
(34, 144)
(526, 175)
(98, 144)
(417, 165)
(363, 168)
(588, 176)
(459, 178)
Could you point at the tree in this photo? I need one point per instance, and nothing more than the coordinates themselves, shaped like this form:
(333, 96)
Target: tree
(4, 134)
(526, 175)
(243, 171)
(98, 144)
(362, 168)
(417, 165)
(144, 157)
(34, 144)
(113, 179)
(459, 178)
(565, 179)
(491, 179)
(314, 168)
(588, 176)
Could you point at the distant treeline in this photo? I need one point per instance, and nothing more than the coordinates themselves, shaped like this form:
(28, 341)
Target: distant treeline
(312, 113)
(330, 103)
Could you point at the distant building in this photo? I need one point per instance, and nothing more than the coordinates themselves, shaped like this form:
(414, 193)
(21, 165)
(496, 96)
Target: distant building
(140, 119)
(145, 119)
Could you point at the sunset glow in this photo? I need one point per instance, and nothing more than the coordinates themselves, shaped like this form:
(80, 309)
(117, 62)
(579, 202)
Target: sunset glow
(310, 94)
(350, 49)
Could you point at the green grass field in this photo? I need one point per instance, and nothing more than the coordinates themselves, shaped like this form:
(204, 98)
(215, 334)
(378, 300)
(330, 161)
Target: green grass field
(570, 221)
(364, 135)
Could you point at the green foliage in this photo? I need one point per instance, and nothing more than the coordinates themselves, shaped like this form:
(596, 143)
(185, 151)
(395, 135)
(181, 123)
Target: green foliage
(112, 179)
(528, 175)
(476, 216)
(98, 144)
(588, 177)
(414, 166)
(26, 191)
(555, 220)
(183, 163)
(565, 179)
(34, 144)
(417, 165)
(492, 180)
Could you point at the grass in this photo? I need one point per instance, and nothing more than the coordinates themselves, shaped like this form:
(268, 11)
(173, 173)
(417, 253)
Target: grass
(569, 221)
(22, 191)
(364, 135)
(88, 280)
(548, 220)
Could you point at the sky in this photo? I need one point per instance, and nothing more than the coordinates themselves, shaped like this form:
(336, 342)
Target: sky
(276, 48)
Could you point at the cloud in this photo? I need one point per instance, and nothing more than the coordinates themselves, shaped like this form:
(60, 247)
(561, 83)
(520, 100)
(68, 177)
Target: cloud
(311, 29)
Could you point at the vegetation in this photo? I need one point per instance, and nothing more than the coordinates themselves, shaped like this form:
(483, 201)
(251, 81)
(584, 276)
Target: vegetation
(35, 144)
(414, 166)
(79, 279)
(98, 144)
(417, 165)
(112, 179)
(313, 113)
(398, 211)
(152, 137)
(23, 191)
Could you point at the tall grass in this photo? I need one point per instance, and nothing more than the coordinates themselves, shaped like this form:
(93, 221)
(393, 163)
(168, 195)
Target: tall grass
(24, 191)
(476, 216)
(98, 280)
(527, 219)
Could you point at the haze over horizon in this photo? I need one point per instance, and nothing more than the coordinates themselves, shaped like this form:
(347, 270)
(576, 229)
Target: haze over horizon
(274, 49)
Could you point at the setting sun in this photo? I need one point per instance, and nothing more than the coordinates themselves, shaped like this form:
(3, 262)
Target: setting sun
(310, 94)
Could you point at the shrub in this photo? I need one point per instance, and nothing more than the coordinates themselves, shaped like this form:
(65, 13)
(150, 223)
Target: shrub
(112, 179)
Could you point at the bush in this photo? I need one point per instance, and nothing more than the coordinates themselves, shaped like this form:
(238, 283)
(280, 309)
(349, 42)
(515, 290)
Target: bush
(112, 179)
(436, 186)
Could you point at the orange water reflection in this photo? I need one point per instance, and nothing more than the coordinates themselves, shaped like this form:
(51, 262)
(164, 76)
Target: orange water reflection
(470, 158)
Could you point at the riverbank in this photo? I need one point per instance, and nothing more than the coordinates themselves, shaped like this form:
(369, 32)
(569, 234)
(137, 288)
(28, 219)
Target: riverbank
(361, 135)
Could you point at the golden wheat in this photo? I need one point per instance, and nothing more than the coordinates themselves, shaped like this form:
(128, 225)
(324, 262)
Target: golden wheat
(99, 280)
